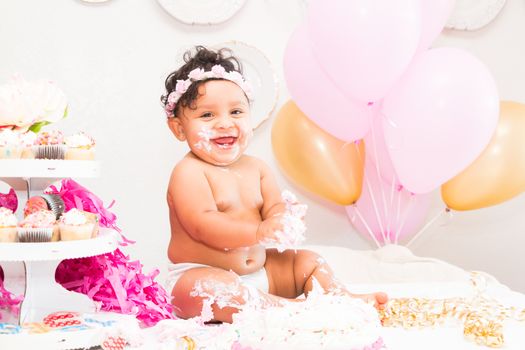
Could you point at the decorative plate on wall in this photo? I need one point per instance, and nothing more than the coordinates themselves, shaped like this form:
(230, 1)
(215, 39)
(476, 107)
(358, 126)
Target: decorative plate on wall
(205, 12)
(473, 14)
(257, 69)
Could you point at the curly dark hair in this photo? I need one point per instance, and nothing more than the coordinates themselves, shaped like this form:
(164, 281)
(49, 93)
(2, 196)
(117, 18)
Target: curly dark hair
(200, 57)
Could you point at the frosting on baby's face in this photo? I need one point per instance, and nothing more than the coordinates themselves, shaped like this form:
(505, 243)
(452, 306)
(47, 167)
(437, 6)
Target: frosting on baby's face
(218, 129)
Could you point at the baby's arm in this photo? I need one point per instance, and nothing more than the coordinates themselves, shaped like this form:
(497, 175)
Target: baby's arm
(191, 197)
(283, 223)
(273, 204)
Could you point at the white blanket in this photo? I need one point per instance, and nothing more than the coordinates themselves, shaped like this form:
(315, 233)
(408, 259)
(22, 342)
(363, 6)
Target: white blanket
(395, 270)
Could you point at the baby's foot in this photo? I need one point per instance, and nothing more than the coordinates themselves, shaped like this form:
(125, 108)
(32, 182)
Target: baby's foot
(378, 299)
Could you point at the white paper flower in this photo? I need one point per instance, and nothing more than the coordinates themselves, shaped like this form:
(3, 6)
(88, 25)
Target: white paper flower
(24, 103)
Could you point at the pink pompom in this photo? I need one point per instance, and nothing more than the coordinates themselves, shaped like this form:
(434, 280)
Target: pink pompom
(119, 285)
(9, 200)
(8, 301)
(76, 196)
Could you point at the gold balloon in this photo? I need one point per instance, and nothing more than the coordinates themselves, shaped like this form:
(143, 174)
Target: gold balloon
(316, 160)
(498, 174)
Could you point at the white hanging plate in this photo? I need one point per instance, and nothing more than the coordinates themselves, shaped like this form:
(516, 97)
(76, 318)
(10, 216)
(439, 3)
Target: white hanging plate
(202, 11)
(473, 14)
(257, 69)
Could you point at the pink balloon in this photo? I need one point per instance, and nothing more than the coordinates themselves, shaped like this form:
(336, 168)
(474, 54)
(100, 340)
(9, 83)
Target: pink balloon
(389, 214)
(439, 117)
(364, 45)
(377, 152)
(434, 15)
(317, 96)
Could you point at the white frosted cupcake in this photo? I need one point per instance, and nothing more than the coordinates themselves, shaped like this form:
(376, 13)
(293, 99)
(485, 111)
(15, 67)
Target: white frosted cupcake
(39, 226)
(27, 142)
(10, 147)
(79, 147)
(8, 224)
(75, 225)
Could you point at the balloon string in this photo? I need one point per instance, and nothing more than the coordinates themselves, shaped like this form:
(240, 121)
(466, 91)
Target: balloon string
(373, 201)
(405, 215)
(377, 170)
(392, 187)
(428, 224)
(398, 207)
(376, 209)
(367, 227)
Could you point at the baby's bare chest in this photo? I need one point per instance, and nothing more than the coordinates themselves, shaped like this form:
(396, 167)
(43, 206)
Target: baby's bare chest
(235, 189)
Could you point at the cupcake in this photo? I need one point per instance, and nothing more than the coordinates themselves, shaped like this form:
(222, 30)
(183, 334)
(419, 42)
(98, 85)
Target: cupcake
(27, 142)
(35, 204)
(39, 226)
(8, 224)
(79, 147)
(10, 147)
(49, 145)
(51, 202)
(76, 224)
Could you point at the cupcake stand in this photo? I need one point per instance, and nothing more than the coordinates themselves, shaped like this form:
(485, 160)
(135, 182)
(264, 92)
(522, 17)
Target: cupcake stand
(29, 268)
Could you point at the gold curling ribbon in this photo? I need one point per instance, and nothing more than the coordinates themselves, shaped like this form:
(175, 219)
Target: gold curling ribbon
(482, 316)
(190, 343)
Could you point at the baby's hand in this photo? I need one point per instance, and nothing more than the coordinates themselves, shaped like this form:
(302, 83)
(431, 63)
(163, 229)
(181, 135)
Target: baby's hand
(268, 228)
(293, 207)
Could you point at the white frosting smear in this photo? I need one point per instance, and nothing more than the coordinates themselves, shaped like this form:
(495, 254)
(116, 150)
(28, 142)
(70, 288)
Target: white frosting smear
(292, 234)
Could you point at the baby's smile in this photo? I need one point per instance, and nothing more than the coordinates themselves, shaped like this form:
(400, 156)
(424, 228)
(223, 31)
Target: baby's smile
(225, 142)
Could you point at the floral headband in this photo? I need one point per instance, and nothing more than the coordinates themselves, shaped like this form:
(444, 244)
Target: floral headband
(217, 71)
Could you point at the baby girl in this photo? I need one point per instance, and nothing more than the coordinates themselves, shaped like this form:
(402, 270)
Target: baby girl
(224, 204)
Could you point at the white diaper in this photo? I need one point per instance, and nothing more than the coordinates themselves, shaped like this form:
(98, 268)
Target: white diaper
(257, 279)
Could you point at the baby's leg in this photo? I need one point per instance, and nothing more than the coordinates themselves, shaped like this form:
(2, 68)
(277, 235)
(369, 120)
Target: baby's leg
(292, 273)
(220, 289)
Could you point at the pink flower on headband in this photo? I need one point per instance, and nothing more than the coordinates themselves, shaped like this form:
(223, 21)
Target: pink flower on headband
(217, 71)
(182, 86)
(196, 74)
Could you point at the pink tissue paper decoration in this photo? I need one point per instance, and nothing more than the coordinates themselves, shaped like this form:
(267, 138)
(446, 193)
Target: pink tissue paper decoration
(9, 200)
(117, 285)
(8, 301)
(76, 196)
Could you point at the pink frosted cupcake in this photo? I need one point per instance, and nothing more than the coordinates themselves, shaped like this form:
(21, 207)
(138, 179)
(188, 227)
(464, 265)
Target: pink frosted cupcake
(49, 145)
(76, 224)
(10, 147)
(39, 226)
(8, 224)
(80, 147)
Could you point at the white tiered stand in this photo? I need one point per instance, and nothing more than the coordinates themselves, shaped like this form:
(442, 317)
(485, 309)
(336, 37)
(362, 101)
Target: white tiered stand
(29, 268)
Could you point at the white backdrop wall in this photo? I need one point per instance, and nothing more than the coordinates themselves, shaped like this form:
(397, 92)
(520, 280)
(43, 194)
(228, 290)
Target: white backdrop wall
(111, 59)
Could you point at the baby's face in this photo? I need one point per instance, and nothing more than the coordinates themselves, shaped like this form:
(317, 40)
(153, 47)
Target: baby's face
(218, 130)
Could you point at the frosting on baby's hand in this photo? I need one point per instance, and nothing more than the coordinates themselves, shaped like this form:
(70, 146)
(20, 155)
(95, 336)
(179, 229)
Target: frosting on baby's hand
(292, 234)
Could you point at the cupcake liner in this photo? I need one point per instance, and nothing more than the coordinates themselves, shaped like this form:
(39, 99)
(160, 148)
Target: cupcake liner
(76, 232)
(49, 151)
(35, 234)
(54, 203)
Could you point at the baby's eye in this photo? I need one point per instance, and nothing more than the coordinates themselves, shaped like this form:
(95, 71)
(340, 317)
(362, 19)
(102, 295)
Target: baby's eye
(237, 112)
(206, 115)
